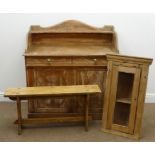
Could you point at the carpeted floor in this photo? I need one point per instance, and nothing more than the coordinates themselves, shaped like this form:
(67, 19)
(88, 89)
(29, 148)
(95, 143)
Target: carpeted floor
(68, 133)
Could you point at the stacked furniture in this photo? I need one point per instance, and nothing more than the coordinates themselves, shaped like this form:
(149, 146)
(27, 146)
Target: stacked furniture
(74, 53)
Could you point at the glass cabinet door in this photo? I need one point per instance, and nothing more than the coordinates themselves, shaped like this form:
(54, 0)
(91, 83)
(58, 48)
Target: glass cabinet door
(123, 101)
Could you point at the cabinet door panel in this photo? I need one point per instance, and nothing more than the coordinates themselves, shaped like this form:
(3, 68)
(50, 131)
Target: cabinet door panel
(92, 76)
(123, 102)
(62, 76)
(52, 77)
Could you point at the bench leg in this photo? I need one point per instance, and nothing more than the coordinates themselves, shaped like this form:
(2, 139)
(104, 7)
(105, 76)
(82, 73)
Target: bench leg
(19, 116)
(86, 112)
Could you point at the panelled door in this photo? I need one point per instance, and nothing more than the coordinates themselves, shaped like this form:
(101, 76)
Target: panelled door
(92, 76)
(52, 77)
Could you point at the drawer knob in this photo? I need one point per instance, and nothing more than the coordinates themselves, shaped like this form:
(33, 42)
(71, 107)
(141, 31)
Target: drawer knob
(49, 60)
(94, 60)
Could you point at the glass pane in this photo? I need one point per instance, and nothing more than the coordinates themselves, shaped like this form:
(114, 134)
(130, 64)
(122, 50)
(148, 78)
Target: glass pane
(123, 98)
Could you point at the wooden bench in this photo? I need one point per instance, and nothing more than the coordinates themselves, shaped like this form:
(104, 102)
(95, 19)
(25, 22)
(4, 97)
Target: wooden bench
(26, 93)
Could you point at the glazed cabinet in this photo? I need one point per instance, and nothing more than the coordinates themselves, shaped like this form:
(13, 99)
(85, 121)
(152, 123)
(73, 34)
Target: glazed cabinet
(124, 94)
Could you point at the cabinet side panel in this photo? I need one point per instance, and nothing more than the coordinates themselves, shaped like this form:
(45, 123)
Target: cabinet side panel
(112, 99)
(107, 96)
(134, 101)
(29, 80)
(141, 100)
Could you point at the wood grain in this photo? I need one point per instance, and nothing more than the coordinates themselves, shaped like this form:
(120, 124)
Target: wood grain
(38, 92)
(69, 53)
(71, 26)
(51, 90)
(26, 121)
(125, 95)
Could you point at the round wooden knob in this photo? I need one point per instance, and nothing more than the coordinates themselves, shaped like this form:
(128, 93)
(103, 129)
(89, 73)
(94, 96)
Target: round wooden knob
(49, 60)
(94, 60)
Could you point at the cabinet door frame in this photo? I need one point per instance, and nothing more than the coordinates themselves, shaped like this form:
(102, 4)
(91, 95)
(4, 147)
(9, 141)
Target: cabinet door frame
(115, 71)
(97, 111)
(34, 103)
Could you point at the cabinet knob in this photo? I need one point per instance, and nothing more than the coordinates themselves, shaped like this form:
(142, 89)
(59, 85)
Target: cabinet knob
(94, 60)
(49, 60)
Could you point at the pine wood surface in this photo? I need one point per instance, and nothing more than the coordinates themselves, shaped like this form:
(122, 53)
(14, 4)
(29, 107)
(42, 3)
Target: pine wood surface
(85, 50)
(19, 93)
(68, 53)
(72, 26)
(125, 95)
(74, 53)
(52, 90)
(53, 120)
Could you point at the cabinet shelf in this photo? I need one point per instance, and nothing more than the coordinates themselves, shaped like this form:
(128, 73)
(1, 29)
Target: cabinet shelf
(124, 100)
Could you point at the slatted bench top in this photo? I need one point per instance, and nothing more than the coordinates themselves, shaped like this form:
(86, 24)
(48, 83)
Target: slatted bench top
(51, 90)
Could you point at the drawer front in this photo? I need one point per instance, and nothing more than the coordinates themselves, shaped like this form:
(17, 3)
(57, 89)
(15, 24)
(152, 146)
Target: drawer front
(68, 61)
(89, 61)
(48, 61)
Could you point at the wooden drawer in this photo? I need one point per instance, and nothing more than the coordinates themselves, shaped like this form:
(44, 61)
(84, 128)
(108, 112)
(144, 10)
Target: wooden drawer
(48, 61)
(89, 61)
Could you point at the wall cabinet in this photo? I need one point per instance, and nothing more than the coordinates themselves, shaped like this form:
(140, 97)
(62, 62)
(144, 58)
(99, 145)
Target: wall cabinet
(125, 94)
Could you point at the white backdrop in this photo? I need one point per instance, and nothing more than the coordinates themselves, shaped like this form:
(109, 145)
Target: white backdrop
(136, 36)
